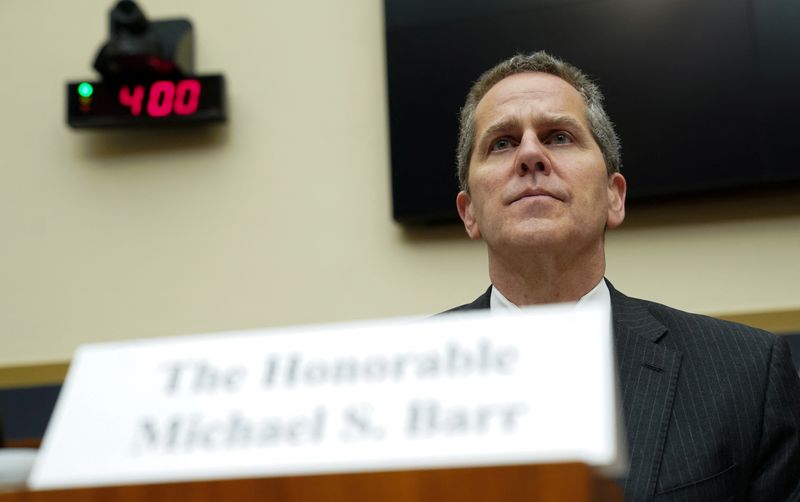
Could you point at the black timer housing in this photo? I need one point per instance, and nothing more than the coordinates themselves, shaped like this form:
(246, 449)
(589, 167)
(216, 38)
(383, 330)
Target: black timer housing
(147, 70)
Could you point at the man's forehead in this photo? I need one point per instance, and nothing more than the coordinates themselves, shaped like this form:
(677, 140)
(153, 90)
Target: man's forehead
(549, 97)
(532, 81)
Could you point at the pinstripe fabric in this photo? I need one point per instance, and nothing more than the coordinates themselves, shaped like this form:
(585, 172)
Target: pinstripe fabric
(712, 408)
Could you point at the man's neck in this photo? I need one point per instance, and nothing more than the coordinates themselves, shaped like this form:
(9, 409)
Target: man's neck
(546, 278)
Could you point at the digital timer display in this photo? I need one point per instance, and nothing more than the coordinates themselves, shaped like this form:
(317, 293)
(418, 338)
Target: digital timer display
(146, 102)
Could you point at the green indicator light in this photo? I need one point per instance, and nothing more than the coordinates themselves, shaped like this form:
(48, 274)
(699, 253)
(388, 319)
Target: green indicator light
(85, 89)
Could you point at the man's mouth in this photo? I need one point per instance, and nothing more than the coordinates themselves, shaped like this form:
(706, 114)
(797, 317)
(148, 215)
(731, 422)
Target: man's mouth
(534, 193)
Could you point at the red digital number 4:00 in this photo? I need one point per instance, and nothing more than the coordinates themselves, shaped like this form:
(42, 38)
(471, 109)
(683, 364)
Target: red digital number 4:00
(163, 98)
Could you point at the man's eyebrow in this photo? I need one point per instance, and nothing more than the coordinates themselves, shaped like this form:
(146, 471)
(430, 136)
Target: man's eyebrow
(547, 121)
(567, 121)
(498, 127)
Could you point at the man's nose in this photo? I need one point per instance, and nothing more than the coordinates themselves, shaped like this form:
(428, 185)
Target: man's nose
(531, 156)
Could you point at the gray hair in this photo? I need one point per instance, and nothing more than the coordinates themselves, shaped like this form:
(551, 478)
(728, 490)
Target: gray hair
(599, 123)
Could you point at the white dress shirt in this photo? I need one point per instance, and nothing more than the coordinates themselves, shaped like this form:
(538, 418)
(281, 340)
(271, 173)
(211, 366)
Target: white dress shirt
(598, 296)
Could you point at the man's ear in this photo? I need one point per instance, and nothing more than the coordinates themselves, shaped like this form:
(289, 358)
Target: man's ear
(464, 205)
(617, 188)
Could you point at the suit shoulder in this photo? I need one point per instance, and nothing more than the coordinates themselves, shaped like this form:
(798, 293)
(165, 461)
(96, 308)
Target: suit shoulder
(480, 303)
(467, 307)
(702, 329)
(461, 308)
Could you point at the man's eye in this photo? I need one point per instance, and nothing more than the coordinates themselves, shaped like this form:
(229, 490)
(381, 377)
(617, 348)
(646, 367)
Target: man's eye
(560, 138)
(501, 144)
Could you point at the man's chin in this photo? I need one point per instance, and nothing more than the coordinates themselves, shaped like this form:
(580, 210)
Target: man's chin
(531, 237)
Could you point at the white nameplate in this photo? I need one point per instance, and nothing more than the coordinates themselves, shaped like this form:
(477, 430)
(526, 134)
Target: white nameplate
(458, 390)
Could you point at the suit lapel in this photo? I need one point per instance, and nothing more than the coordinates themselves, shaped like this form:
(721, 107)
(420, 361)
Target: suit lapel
(648, 374)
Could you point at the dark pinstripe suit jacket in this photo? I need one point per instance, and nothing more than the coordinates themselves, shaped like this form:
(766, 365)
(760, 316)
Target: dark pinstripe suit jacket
(712, 408)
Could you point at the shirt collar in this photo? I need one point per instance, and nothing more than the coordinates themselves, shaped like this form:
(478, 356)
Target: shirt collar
(598, 296)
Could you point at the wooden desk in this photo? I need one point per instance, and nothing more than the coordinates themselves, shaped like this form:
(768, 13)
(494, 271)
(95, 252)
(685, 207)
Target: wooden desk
(540, 483)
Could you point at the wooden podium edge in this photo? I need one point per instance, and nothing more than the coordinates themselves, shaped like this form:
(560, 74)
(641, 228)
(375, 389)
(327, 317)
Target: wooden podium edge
(572, 482)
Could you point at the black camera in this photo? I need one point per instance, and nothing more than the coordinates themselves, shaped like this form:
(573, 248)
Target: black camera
(139, 47)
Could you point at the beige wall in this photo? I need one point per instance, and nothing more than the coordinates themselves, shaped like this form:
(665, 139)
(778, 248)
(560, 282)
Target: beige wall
(282, 216)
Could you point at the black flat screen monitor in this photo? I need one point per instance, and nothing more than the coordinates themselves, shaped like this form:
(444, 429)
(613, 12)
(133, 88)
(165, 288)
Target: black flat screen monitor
(704, 93)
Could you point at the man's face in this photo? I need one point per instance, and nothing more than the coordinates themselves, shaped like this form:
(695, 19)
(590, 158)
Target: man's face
(537, 178)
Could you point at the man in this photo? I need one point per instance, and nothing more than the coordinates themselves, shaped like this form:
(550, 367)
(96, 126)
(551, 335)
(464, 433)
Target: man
(712, 408)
